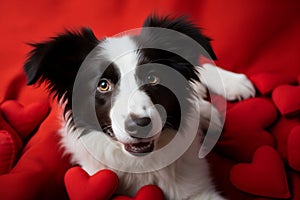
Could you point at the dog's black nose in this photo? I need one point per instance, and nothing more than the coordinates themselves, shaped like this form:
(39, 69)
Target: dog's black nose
(138, 127)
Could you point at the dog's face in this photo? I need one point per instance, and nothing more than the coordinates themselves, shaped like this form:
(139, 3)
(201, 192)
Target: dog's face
(133, 104)
(138, 97)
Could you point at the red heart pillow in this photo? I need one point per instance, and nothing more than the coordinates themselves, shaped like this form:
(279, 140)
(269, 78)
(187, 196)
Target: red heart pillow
(287, 99)
(266, 82)
(244, 129)
(295, 180)
(9, 149)
(281, 131)
(264, 176)
(15, 117)
(100, 186)
(24, 119)
(148, 192)
(293, 148)
(10, 146)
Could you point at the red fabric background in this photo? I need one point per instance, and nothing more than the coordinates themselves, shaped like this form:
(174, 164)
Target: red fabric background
(248, 36)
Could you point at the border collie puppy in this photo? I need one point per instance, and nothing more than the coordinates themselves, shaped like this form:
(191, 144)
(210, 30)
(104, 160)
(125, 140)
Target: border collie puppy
(135, 103)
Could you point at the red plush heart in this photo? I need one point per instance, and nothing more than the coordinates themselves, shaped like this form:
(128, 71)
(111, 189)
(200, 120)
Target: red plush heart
(24, 119)
(7, 152)
(293, 148)
(281, 131)
(148, 192)
(265, 176)
(100, 186)
(287, 99)
(295, 183)
(266, 82)
(244, 129)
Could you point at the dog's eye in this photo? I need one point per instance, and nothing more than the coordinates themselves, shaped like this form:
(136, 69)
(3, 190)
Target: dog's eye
(104, 86)
(152, 79)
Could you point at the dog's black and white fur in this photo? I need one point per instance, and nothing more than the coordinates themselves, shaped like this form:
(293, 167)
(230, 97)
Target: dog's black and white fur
(125, 96)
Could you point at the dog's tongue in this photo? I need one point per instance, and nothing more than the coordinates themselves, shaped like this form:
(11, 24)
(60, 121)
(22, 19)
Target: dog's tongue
(141, 147)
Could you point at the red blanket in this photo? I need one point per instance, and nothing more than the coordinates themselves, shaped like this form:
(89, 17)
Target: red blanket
(258, 154)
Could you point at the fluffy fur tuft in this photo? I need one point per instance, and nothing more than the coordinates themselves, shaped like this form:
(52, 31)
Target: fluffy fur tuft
(58, 60)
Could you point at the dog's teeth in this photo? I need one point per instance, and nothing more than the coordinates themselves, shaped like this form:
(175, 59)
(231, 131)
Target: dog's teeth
(141, 147)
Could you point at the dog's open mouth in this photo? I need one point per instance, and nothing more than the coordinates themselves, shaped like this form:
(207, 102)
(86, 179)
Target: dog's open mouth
(140, 147)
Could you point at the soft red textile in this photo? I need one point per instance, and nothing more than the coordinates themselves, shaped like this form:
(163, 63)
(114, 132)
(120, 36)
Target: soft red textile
(247, 132)
(266, 82)
(10, 145)
(293, 146)
(103, 185)
(147, 192)
(281, 131)
(286, 98)
(259, 176)
(80, 185)
(25, 119)
(259, 38)
(38, 172)
(8, 151)
(295, 179)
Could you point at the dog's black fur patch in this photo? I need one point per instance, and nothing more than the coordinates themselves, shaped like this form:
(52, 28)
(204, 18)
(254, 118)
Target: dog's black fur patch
(58, 60)
(104, 101)
(178, 49)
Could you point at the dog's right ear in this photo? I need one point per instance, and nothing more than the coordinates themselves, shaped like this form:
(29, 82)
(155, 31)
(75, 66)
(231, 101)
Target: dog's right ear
(58, 60)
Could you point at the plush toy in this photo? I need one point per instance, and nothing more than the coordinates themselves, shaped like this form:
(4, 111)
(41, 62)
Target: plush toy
(80, 185)
(245, 128)
(264, 176)
(31, 164)
(17, 123)
(10, 145)
(103, 185)
(286, 98)
(263, 136)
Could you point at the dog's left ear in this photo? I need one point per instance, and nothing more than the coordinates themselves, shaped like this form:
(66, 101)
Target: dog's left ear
(58, 60)
(189, 38)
